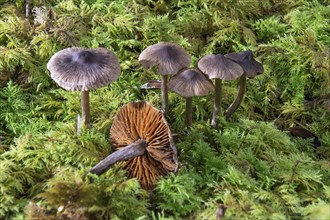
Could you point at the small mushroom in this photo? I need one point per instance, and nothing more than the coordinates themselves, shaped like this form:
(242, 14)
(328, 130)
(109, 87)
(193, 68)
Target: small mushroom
(190, 83)
(80, 69)
(150, 85)
(219, 68)
(143, 139)
(251, 69)
(169, 58)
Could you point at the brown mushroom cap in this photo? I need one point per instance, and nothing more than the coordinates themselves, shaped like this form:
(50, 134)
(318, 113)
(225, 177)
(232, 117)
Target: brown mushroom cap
(80, 69)
(169, 57)
(139, 120)
(218, 66)
(190, 83)
(251, 67)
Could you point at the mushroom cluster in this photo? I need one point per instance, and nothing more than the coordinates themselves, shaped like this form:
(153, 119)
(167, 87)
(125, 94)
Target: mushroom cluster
(251, 68)
(229, 67)
(140, 134)
(220, 68)
(170, 58)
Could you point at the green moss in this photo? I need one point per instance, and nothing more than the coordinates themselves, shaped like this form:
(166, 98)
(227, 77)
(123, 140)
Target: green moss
(251, 164)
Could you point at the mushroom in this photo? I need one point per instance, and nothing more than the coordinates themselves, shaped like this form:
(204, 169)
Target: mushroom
(143, 139)
(219, 68)
(190, 83)
(153, 84)
(80, 69)
(170, 58)
(251, 69)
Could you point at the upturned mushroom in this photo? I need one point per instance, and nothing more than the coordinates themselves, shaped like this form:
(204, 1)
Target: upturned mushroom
(81, 69)
(251, 69)
(219, 68)
(190, 83)
(169, 58)
(143, 140)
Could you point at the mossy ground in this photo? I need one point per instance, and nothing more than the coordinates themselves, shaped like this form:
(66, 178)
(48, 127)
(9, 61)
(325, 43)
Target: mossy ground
(250, 164)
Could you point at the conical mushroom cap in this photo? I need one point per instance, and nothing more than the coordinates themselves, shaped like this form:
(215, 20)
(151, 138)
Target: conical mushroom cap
(139, 120)
(80, 69)
(169, 57)
(218, 66)
(190, 83)
(250, 66)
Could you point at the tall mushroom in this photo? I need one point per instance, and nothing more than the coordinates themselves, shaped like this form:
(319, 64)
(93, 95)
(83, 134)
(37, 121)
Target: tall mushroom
(219, 68)
(143, 139)
(81, 69)
(190, 83)
(251, 69)
(170, 58)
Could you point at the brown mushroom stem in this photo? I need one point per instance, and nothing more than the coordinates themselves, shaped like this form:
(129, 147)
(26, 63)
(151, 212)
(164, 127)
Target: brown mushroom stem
(189, 111)
(217, 102)
(85, 110)
(135, 149)
(240, 95)
(164, 94)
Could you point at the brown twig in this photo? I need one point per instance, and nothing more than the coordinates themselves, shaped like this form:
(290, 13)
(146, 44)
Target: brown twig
(246, 134)
(294, 170)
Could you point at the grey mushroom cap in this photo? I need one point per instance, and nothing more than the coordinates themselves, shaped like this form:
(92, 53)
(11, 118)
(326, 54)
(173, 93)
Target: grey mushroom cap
(218, 66)
(81, 69)
(251, 67)
(169, 57)
(191, 83)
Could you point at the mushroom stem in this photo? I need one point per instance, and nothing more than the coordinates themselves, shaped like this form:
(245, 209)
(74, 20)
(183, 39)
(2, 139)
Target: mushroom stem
(135, 149)
(85, 110)
(164, 94)
(27, 8)
(189, 111)
(217, 102)
(241, 90)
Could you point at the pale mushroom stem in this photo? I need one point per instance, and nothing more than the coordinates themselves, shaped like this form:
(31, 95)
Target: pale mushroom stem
(135, 149)
(85, 110)
(189, 111)
(164, 94)
(27, 8)
(217, 102)
(241, 90)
